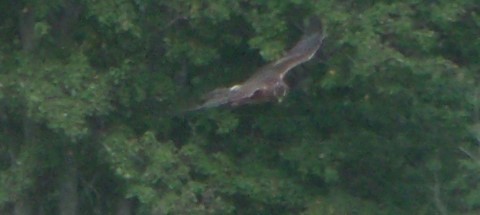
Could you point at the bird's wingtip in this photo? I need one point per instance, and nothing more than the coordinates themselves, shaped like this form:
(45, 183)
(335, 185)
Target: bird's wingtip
(313, 24)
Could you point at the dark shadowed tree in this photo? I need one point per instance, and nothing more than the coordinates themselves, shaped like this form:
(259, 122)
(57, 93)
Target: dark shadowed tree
(381, 121)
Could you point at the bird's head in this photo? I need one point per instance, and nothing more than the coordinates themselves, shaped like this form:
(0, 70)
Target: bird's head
(280, 89)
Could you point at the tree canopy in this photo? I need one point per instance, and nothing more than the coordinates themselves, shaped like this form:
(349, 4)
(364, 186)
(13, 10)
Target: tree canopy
(384, 120)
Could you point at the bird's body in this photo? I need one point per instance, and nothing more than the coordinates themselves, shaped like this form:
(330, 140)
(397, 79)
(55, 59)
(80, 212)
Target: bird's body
(268, 83)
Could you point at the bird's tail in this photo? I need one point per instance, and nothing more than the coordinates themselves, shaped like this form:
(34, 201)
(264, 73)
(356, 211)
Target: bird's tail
(217, 97)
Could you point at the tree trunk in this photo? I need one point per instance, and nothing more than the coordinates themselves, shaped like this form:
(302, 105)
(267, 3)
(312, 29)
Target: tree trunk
(22, 204)
(124, 207)
(26, 27)
(22, 207)
(68, 201)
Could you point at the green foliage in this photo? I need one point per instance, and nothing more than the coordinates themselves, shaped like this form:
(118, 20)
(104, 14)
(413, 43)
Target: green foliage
(118, 15)
(466, 186)
(341, 203)
(63, 93)
(162, 177)
(16, 181)
(375, 128)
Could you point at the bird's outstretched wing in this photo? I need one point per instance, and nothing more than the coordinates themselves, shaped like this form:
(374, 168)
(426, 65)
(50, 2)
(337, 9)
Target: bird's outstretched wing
(267, 83)
(303, 51)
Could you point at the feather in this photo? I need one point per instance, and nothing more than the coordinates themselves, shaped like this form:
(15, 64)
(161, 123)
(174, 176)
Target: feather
(268, 84)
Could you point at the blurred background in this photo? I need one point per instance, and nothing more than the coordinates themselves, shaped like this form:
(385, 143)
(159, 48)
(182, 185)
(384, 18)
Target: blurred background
(383, 120)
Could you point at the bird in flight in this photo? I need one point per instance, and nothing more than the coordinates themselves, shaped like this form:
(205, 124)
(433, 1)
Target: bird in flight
(268, 83)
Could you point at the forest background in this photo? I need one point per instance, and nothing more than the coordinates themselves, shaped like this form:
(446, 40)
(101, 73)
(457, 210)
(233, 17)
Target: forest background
(384, 120)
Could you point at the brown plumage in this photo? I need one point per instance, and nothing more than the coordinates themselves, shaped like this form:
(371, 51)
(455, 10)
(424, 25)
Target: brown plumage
(268, 83)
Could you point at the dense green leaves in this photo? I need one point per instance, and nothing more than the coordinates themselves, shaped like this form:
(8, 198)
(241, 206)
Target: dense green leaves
(92, 93)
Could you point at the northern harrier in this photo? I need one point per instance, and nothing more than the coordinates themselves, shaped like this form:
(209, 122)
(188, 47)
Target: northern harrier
(267, 84)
